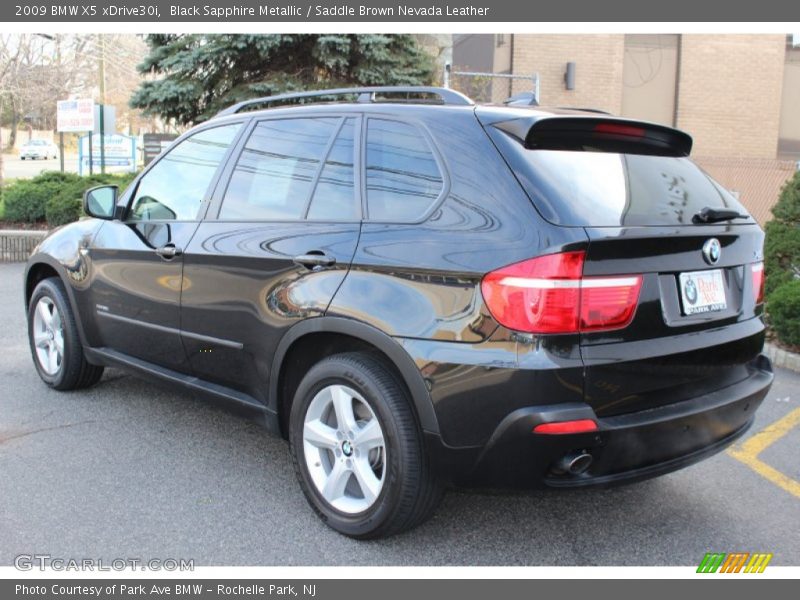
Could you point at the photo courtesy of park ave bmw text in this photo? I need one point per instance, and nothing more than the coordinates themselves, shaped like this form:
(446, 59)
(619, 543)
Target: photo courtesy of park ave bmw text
(292, 292)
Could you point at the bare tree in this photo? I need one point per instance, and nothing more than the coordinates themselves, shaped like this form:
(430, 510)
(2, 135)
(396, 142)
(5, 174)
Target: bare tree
(37, 70)
(48, 68)
(10, 57)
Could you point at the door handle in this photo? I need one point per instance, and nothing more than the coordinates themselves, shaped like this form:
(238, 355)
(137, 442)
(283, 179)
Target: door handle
(315, 260)
(169, 251)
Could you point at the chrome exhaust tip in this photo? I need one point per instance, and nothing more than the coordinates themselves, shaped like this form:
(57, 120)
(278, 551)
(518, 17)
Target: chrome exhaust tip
(574, 463)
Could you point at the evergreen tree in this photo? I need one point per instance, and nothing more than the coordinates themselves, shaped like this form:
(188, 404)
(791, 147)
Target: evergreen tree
(198, 75)
(782, 261)
(782, 244)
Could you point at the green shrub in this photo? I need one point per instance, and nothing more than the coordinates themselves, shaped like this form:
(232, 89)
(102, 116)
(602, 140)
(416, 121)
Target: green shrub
(787, 208)
(784, 312)
(61, 210)
(56, 177)
(53, 196)
(782, 244)
(27, 200)
(781, 254)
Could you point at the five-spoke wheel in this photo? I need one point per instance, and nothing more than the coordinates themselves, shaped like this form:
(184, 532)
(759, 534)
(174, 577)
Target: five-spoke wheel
(344, 448)
(54, 339)
(358, 449)
(48, 335)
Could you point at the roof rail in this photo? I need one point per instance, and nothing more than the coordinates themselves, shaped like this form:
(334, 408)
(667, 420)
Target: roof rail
(365, 95)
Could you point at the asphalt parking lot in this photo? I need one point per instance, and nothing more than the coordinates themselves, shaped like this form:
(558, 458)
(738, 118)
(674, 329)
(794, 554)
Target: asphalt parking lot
(128, 470)
(25, 169)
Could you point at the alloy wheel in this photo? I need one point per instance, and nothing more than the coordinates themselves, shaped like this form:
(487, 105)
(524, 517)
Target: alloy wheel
(344, 449)
(48, 336)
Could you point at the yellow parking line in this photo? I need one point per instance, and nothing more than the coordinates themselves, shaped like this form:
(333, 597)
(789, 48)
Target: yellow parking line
(748, 452)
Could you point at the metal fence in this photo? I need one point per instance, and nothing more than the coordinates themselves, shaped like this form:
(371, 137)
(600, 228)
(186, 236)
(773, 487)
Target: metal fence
(488, 87)
(756, 181)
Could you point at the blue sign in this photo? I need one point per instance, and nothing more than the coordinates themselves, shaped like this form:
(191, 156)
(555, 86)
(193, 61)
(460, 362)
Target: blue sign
(119, 150)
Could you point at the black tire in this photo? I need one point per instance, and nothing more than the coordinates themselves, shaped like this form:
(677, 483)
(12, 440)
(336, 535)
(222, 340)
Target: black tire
(410, 491)
(74, 371)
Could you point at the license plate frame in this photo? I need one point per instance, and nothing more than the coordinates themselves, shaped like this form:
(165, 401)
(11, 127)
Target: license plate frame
(702, 292)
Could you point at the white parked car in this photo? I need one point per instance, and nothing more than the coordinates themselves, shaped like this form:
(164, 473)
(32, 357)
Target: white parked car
(38, 149)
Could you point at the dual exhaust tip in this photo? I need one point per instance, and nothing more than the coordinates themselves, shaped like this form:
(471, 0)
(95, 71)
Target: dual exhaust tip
(573, 463)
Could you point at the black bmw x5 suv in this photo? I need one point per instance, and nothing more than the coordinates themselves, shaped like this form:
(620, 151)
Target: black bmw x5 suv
(417, 291)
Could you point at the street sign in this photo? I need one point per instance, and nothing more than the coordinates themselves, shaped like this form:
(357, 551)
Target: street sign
(119, 152)
(155, 144)
(75, 115)
(109, 119)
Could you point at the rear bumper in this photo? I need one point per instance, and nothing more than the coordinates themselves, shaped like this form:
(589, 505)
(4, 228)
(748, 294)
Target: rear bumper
(625, 448)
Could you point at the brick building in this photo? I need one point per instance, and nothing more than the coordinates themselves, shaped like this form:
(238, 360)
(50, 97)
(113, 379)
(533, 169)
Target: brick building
(737, 95)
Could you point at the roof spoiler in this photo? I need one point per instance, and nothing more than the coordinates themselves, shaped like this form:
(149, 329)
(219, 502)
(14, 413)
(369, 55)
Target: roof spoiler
(599, 134)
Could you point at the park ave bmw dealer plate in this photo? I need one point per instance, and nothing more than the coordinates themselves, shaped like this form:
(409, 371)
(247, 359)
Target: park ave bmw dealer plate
(702, 291)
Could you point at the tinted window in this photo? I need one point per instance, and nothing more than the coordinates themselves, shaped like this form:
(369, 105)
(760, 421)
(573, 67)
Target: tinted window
(403, 179)
(333, 197)
(275, 173)
(176, 186)
(605, 189)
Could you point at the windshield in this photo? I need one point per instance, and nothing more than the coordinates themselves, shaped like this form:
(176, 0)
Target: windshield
(605, 189)
(37, 143)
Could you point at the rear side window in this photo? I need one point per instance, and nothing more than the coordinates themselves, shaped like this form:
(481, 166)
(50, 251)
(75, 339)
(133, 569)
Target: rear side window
(274, 176)
(403, 177)
(605, 189)
(334, 197)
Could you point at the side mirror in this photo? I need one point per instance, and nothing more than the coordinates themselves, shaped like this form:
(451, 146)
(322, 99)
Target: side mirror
(100, 202)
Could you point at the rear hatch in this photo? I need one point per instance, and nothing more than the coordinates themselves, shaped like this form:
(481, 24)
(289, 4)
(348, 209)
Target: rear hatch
(648, 211)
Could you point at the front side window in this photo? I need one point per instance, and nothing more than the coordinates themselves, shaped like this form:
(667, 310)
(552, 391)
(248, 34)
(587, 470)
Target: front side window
(275, 174)
(177, 184)
(403, 177)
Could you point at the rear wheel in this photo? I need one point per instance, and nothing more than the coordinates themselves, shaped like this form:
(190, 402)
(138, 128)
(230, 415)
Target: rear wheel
(54, 341)
(357, 449)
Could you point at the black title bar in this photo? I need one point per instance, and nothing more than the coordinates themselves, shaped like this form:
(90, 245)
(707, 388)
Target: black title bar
(266, 11)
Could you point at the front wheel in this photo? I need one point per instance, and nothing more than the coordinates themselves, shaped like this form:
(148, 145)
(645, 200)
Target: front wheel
(357, 449)
(54, 340)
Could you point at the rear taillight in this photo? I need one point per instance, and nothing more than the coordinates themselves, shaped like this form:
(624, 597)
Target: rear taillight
(549, 295)
(758, 281)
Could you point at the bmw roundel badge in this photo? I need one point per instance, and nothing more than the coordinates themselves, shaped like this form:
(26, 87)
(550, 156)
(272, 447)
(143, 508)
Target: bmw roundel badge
(712, 251)
(690, 291)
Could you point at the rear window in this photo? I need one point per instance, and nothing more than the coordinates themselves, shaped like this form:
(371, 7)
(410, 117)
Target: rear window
(607, 189)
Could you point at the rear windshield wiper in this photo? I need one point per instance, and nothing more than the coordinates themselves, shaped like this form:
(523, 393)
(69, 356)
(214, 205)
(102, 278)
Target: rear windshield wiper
(715, 215)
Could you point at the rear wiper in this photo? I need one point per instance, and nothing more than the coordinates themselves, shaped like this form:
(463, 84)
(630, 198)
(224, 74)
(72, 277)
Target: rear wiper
(715, 215)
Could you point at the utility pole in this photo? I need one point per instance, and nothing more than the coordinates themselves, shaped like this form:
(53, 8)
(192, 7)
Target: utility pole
(60, 133)
(102, 103)
(2, 165)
